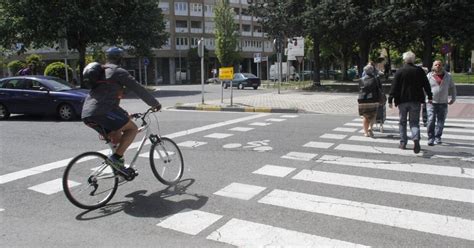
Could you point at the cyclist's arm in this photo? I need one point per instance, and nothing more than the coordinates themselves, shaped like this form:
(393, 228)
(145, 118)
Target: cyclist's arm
(129, 81)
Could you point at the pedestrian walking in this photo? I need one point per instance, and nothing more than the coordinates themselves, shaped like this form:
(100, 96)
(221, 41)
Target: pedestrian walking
(370, 96)
(408, 90)
(442, 86)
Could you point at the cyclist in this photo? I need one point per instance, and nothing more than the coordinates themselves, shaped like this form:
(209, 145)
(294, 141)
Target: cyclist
(102, 112)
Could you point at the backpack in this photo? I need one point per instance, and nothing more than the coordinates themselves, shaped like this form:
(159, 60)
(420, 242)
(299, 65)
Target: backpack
(93, 75)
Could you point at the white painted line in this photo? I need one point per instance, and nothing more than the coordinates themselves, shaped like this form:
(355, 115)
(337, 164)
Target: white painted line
(243, 233)
(51, 187)
(394, 125)
(1, 209)
(275, 120)
(375, 149)
(191, 222)
(240, 191)
(62, 163)
(241, 129)
(300, 156)
(191, 143)
(322, 145)
(274, 170)
(345, 129)
(333, 136)
(261, 124)
(232, 145)
(385, 185)
(395, 217)
(423, 142)
(155, 155)
(428, 169)
(219, 135)
(289, 116)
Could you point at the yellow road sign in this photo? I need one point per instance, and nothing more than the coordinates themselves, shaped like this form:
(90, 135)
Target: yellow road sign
(226, 73)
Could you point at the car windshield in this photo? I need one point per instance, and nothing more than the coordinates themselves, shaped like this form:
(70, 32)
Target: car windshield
(249, 75)
(58, 84)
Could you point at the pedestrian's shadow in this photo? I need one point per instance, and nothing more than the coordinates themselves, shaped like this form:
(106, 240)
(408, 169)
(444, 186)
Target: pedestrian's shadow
(161, 203)
(155, 205)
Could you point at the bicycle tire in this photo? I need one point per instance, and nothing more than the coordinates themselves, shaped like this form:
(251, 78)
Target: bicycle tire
(166, 156)
(88, 181)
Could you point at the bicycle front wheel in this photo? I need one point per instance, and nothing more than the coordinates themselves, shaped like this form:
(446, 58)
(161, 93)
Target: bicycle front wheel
(88, 181)
(166, 161)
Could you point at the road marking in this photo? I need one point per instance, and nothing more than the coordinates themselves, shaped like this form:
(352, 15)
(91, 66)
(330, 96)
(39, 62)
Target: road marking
(428, 169)
(386, 185)
(62, 163)
(261, 124)
(395, 217)
(243, 233)
(322, 145)
(300, 156)
(274, 170)
(375, 149)
(191, 143)
(333, 136)
(191, 222)
(395, 127)
(240, 191)
(345, 129)
(241, 129)
(51, 187)
(275, 120)
(289, 116)
(218, 135)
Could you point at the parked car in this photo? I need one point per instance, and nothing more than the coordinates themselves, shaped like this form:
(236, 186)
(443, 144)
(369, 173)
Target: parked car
(242, 80)
(40, 95)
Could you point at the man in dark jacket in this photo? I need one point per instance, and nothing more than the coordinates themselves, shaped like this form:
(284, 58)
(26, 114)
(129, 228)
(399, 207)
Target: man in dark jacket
(101, 107)
(407, 91)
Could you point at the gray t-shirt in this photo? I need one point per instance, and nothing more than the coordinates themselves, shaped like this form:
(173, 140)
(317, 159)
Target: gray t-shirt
(106, 96)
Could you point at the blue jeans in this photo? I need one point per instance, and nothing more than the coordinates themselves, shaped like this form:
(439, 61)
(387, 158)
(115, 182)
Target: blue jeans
(412, 111)
(437, 113)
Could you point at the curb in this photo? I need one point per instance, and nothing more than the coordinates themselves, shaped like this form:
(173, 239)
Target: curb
(239, 109)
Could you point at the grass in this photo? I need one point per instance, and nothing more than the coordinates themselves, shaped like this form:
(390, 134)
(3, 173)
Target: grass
(463, 78)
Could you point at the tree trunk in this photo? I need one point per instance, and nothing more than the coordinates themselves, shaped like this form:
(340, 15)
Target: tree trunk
(364, 45)
(427, 49)
(82, 60)
(317, 61)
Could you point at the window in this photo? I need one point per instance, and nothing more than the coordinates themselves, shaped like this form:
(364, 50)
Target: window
(181, 41)
(180, 7)
(181, 24)
(196, 7)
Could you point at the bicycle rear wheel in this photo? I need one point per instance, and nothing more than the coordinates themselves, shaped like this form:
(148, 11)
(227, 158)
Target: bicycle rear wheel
(88, 181)
(166, 161)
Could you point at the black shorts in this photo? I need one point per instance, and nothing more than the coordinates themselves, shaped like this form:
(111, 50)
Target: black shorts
(111, 121)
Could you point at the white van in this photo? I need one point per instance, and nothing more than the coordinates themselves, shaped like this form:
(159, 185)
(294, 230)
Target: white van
(274, 72)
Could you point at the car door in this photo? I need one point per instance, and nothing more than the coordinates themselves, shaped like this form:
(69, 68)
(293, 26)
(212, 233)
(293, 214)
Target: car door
(35, 97)
(9, 95)
(237, 79)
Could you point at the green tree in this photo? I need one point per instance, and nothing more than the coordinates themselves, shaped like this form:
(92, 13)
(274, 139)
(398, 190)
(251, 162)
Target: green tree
(226, 34)
(138, 24)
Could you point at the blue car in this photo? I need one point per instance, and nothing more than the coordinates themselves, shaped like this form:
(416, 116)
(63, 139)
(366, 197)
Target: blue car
(242, 80)
(40, 95)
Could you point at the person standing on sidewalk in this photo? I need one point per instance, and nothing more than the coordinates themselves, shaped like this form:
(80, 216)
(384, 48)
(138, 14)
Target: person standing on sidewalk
(441, 84)
(407, 91)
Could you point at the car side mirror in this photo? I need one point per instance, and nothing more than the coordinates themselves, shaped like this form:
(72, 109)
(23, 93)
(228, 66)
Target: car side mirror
(42, 88)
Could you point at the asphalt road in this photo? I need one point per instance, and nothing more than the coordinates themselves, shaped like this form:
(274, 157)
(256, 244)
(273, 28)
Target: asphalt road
(251, 179)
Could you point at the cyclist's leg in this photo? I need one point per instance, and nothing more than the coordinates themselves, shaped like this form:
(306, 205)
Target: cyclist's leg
(126, 138)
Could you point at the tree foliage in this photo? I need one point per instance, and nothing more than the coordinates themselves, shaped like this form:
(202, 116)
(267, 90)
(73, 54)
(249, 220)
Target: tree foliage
(38, 23)
(226, 34)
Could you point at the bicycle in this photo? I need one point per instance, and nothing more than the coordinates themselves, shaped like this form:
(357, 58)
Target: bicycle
(90, 180)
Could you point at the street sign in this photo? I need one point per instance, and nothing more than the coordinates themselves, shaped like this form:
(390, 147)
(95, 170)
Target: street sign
(257, 57)
(295, 48)
(201, 47)
(226, 73)
(146, 61)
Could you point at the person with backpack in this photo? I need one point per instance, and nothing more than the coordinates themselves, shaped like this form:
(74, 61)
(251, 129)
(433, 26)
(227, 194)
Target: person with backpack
(101, 108)
(408, 90)
(370, 97)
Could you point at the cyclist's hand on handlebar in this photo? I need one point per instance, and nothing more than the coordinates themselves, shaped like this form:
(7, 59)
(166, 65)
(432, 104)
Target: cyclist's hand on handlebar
(156, 108)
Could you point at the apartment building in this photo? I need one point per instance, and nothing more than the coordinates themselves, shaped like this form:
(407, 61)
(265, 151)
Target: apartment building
(186, 22)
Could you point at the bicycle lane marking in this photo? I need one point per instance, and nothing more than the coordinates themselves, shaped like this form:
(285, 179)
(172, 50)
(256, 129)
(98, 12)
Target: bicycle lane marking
(62, 163)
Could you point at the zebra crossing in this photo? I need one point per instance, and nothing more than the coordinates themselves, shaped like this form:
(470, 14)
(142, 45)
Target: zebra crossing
(246, 233)
(317, 151)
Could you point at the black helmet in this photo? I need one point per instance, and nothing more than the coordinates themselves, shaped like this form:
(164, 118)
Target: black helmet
(92, 73)
(114, 53)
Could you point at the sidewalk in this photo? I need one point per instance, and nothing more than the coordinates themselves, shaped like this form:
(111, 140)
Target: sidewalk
(298, 101)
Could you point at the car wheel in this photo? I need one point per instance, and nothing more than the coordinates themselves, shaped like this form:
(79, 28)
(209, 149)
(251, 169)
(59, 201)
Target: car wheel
(255, 87)
(225, 86)
(66, 112)
(4, 113)
(240, 86)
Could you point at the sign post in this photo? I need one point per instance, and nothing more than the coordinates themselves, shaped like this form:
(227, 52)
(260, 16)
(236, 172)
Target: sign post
(146, 62)
(226, 73)
(201, 54)
(257, 58)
